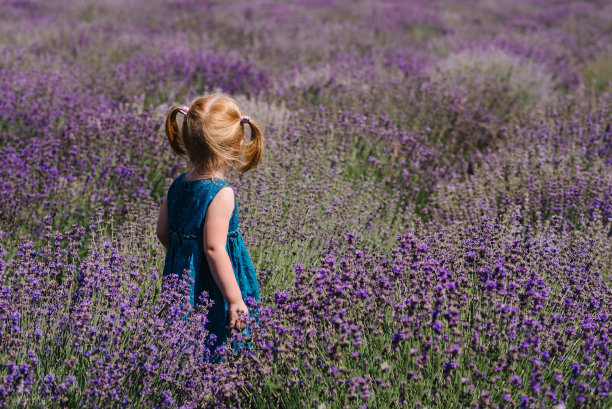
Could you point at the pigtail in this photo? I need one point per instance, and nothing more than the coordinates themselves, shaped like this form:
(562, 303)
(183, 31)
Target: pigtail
(175, 137)
(253, 150)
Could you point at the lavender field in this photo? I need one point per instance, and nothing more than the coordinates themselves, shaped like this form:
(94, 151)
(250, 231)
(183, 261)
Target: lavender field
(431, 222)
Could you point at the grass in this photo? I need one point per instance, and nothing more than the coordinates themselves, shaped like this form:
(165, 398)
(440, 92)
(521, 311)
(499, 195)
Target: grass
(598, 73)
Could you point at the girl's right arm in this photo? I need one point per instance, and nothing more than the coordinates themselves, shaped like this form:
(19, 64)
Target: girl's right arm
(216, 224)
(163, 225)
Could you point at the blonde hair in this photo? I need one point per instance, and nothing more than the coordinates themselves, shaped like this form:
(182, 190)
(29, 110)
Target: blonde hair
(211, 133)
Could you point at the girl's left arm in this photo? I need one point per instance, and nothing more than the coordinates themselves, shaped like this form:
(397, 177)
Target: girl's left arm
(163, 225)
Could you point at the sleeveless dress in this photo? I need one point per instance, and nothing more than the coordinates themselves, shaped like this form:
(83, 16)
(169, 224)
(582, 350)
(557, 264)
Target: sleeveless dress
(187, 205)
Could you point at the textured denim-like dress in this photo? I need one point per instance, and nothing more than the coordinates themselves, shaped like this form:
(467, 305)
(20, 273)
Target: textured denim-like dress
(187, 204)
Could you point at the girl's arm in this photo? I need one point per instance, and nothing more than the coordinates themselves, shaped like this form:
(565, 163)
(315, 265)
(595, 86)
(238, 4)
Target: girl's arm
(216, 224)
(163, 225)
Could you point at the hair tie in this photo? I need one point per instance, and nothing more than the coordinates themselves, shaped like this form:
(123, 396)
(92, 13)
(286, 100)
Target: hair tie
(185, 110)
(245, 118)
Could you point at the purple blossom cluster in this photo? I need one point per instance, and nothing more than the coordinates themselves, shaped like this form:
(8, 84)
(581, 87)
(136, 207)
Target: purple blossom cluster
(522, 315)
(430, 222)
(98, 327)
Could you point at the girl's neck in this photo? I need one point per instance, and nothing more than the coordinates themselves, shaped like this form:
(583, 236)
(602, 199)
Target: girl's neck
(205, 174)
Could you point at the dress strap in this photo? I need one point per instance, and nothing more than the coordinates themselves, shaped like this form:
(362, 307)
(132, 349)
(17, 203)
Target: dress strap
(213, 187)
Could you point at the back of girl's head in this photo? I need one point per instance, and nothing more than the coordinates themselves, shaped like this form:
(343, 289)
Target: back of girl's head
(211, 134)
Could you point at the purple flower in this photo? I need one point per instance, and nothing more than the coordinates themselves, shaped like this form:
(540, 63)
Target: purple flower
(438, 326)
(397, 337)
(515, 380)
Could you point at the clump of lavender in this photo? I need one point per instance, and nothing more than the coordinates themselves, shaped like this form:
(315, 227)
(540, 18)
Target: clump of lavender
(559, 166)
(484, 315)
(99, 330)
(523, 79)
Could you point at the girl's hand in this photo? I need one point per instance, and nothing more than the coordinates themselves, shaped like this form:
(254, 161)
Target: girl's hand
(233, 319)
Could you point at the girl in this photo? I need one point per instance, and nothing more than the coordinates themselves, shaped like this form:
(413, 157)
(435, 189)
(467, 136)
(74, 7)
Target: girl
(198, 221)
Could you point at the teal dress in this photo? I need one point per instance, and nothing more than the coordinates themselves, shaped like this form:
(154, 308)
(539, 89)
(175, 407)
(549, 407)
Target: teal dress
(187, 204)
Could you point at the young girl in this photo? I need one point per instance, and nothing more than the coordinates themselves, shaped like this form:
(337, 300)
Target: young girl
(198, 221)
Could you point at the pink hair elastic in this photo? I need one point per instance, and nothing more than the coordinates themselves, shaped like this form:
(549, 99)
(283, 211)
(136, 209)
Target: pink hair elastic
(245, 118)
(185, 109)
